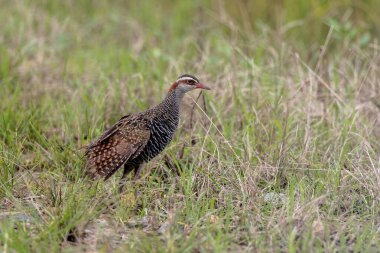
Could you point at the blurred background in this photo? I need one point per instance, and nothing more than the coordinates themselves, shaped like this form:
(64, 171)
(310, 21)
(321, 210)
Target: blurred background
(108, 31)
(56, 45)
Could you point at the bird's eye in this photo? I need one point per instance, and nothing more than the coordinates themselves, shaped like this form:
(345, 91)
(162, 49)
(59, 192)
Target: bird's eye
(191, 82)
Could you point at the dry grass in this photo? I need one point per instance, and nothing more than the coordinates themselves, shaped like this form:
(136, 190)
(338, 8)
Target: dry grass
(282, 154)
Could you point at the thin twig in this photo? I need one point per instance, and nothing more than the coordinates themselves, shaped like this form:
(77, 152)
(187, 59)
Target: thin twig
(192, 109)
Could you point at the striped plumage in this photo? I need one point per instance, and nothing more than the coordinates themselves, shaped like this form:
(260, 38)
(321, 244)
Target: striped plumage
(137, 138)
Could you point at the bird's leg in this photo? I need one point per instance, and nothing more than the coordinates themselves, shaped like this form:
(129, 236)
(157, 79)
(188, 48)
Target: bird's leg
(138, 170)
(127, 170)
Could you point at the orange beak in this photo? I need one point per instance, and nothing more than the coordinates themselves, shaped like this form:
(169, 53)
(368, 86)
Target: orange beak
(202, 86)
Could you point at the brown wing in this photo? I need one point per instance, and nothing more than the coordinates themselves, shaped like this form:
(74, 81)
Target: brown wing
(110, 131)
(123, 141)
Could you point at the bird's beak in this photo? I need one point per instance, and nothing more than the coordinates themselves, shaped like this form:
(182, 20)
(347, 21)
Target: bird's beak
(202, 86)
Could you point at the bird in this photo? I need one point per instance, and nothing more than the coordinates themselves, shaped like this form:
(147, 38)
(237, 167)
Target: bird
(137, 138)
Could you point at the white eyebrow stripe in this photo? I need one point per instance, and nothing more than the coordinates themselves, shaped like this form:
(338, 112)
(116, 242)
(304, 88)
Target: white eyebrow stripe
(186, 78)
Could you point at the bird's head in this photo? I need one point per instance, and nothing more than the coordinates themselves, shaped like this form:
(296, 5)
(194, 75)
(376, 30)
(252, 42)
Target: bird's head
(187, 83)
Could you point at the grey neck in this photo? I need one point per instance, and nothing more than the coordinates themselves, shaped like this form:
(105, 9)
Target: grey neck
(178, 95)
(172, 102)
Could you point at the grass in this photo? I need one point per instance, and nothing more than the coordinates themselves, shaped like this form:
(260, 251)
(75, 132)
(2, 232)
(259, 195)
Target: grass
(281, 156)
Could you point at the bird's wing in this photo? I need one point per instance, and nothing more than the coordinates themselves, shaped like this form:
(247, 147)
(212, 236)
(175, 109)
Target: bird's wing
(110, 131)
(123, 141)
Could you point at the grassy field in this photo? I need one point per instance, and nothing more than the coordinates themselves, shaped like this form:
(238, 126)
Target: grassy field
(281, 156)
